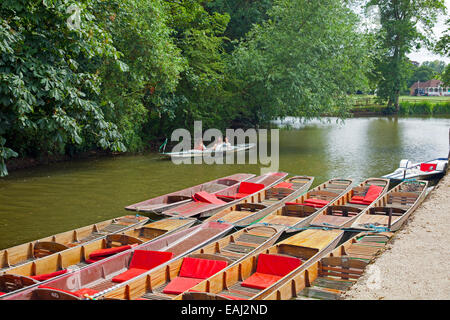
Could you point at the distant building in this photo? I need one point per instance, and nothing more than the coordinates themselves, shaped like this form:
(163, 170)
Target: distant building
(431, 87)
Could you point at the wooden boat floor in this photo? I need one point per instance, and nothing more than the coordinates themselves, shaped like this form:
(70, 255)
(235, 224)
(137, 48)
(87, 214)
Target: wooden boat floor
(282, 220)
(103, 285)
(333, 220)
(234, 216)
(199, 237)
(378, 220)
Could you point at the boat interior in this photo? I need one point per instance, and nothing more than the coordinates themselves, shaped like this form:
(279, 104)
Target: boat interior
(348, 207)
(393, 205)
(31, 251)
(249, 277)
(309, 204)
(55, 265)
(334, 274)
(129, 264)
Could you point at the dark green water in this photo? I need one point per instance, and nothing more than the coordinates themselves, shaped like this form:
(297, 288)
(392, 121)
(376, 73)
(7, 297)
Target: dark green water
(50, 199)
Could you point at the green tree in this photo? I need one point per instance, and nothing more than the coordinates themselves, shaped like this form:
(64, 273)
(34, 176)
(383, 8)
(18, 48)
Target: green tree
(49, 79)
(302, 62)
(398, 35)
(139, 30)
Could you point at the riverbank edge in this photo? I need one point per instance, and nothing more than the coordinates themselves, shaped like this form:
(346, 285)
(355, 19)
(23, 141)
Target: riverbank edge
(413, 265)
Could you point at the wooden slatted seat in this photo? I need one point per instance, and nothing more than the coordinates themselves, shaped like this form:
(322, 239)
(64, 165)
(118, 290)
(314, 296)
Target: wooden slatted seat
(13, 282)
(45, 248)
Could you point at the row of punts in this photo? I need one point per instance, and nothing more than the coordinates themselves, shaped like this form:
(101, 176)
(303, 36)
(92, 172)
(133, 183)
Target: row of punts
(241, 237)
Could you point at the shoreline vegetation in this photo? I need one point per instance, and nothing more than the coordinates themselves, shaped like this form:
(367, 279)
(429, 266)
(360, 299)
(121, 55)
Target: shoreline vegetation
(118, 75)
(408, 105)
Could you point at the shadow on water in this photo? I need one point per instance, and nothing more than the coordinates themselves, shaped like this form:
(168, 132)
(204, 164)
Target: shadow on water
(45, 200)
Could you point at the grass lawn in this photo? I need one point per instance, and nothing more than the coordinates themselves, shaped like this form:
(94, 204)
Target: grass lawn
(429, 99)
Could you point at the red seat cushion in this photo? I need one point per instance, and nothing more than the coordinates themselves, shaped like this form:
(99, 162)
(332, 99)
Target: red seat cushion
(293, 204)
(260, 280)
(2, 293)
(373, 193)
(84, 291)
(249, 187)
(427, 167)
(311, 205)
(129, 274)
(180, 284)
(287, 185)
(276, 265)
(317, 201)
(93, 260)
(200, 268)
(204, 196)
(43, 277)
(65, 291)
(357, 198)
(359, 202)
(141, 262)
(108, 251)
(146, 259)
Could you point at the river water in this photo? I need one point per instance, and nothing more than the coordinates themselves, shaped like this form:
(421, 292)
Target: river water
(45, 200)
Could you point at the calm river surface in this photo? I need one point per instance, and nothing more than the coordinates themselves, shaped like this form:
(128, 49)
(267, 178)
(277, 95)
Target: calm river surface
(50, 199)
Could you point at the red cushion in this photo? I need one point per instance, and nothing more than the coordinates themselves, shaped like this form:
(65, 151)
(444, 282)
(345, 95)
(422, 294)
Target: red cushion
(357, 198)
(359, 202)
(249, 187)
(200, 268)
(108, 252)
(43, 277)
(146, 259)
(293, 204)
(427, 167)
(317, 201)
(93, 260)
(260, 280)
(276, 265)
(373, 193)
(2, 293)
(83, 291)
(287, 185)
(129, 274)
(311, 205)
(180, 285)
(204, 196)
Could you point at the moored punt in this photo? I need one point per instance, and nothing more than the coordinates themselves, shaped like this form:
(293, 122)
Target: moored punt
(335, 273)
(181, 274)
(300, 212)
(63, 262)
(394, 208)
(33, 250)
(267, 200)
(206, 204)
(266, 270)
(167, 201)
(345, 210)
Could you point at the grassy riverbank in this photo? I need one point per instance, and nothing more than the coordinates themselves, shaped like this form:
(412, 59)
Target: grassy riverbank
(409, 105)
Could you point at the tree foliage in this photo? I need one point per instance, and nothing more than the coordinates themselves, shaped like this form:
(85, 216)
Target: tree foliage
(301, 62)
(401, 24)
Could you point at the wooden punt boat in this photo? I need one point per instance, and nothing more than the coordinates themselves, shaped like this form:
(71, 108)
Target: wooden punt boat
(345, 210)
(264, 202)
(167, 201)
(33, 250)
(111, 272)
(335, 273)
(206, 204)
(266, 270)
(62, 262)
(394, 208)
(164, 283)
(300, 212)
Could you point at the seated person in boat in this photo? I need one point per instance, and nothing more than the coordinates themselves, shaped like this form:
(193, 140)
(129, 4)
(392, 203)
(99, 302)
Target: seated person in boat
(200, 146)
